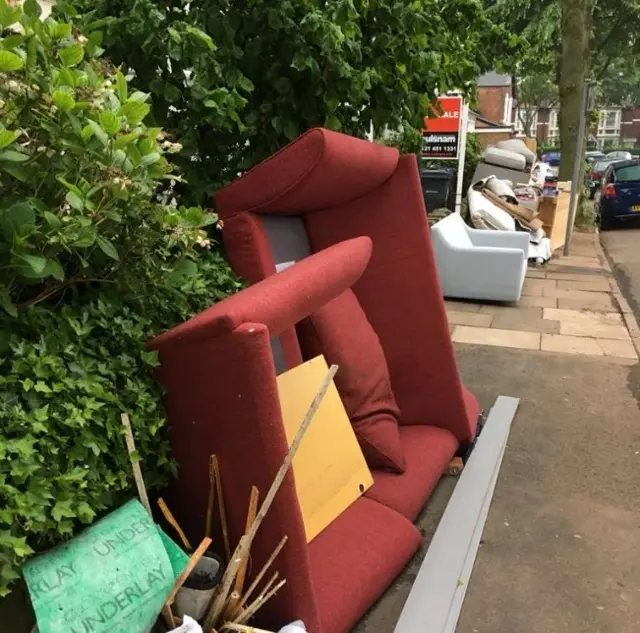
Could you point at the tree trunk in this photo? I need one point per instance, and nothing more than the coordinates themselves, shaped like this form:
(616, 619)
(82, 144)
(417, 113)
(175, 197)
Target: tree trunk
(574, 62)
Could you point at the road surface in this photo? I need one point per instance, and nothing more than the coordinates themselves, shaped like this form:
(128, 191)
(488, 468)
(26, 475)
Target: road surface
(622, 246)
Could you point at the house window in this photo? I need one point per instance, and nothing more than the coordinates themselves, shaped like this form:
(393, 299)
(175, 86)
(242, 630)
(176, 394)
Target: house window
(507, 111)
(609, 123)
(523, 116)
(554, 130)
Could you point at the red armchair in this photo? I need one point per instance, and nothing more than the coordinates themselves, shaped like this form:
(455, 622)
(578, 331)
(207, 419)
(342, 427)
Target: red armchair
(324, 200)
(221, 397)
(326, 187)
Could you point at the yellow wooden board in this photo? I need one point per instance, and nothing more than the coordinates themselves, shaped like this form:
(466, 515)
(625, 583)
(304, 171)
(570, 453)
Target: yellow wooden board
(329, 469)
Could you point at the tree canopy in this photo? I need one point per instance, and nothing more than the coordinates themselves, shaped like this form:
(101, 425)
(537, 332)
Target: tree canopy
(569, 42)
(234, 81)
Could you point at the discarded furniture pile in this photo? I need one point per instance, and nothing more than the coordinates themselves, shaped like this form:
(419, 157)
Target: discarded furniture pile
(532, 184)
(332, 236)
(526, 209)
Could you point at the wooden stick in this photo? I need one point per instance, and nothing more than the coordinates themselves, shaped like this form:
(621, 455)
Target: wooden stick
(260, 600)
(233, 604)
(269, 583)
(220, 597)
(232, 607)
(171, 520)
(167, 614)
(244, 545)
(193, 561)
(251, 517)
(221, 508)
(212, 497)
(263, 571)
(135, 464)
(242, 603)
(243, 628)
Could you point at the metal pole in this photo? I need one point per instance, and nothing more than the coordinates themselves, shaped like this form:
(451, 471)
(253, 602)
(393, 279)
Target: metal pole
(578, 169)
(462, 151)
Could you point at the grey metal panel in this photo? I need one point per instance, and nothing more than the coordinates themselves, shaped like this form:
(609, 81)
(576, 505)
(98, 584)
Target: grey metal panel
(289, 243)
(435, 601)
(287, 237)
(278, 355)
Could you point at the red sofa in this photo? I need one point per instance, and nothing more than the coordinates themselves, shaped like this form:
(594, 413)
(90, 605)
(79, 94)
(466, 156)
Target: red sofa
(322, 201)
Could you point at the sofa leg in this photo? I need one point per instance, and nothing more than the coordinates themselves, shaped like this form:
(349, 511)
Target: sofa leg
(466, 448)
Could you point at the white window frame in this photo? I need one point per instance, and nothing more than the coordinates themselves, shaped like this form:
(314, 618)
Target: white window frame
(507, 110)
(553, 129)
(519, 127)
(607, 128)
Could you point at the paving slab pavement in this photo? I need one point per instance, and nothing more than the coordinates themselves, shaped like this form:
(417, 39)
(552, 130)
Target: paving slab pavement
(565, 308)
(561, 548)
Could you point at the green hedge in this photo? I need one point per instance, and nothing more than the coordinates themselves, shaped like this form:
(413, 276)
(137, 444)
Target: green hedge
(96, 256)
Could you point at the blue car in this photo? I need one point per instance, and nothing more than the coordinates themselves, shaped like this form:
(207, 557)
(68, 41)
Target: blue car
(619, 195)
(551, 158)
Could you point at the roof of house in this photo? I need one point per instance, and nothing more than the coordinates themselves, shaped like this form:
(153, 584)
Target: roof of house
(485, 125)
(493, 79)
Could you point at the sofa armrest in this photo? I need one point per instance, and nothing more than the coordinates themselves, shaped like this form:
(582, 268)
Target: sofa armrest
(500, 239)
(281, 300)
(221, 398)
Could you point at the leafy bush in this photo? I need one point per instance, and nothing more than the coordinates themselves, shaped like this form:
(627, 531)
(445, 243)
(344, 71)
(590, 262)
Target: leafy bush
(78, 169)
(236, 83)
(65, 377)
(94, 260)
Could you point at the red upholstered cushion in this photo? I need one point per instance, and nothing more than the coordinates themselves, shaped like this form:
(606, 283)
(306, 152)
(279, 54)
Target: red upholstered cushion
(427, 451)
(355, 559)
(340, 330)
(401, 296)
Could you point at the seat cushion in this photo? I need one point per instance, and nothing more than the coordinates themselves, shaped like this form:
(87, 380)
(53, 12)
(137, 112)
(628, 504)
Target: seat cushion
(341, 331)
(427, 451)
(355, 559)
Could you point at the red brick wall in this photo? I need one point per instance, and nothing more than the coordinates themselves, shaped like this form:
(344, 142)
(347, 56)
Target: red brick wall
(542, 131)
(630, 128)
(491, 138)
(491, 102)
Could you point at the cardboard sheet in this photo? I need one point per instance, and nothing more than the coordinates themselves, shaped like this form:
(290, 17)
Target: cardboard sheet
(329, 469)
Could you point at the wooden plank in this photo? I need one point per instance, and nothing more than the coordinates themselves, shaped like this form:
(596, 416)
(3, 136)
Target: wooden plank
(434, 604)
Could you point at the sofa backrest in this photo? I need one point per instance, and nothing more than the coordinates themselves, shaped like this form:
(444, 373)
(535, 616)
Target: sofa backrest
(339, 187)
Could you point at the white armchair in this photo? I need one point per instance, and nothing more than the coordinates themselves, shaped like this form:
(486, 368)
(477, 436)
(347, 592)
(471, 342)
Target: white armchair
(474, 264)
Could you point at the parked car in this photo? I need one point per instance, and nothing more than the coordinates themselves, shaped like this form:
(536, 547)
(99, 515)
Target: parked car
(620, 155)
(597, 170)
(553, 160)
(592, 157)
(619, 197)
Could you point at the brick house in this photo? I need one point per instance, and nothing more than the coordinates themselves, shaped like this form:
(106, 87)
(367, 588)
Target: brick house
(493, 119)
(617, 126)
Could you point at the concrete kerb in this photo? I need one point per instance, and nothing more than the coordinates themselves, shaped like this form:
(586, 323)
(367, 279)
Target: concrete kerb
(623, 304)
